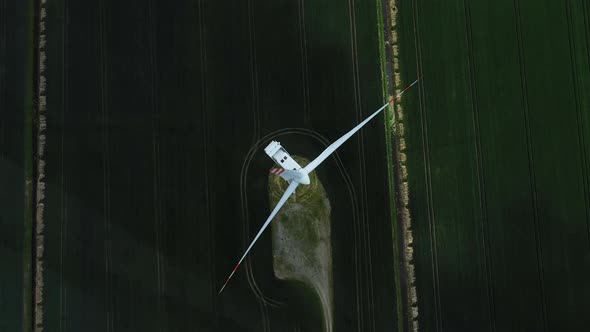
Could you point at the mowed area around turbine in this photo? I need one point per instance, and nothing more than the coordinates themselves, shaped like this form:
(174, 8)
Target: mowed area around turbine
(498, 154)
(158, 114)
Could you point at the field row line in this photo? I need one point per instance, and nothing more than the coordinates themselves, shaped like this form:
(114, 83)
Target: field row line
(365, 236)
(63, 226)
(106, 161)
(156, 178)
(579, 116)
(587, 34)
(206, 141)
(480, 168)
(427, 170)
(532, 179)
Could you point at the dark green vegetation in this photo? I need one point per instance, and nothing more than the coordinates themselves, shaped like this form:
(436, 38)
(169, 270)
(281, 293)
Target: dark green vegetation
(16, 106)
(152, 193)
(499, 162)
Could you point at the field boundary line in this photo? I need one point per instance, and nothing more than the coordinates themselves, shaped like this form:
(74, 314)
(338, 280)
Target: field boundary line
(530, 152)
(205, 134)
(587, 170)
(579, 116)
(480, 167)
(253, 71)
(156, 168)
(102, 45)
(63, 224)
(3, 51)
(304, 63)
(587, 28)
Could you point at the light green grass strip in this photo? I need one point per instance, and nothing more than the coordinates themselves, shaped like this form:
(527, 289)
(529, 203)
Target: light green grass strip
(389, 128)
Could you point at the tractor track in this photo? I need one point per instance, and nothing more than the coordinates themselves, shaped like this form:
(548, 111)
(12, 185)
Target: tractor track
(427, 171)
(364, 227)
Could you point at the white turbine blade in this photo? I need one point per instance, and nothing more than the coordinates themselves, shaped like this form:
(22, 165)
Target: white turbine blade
(286, 195)
(328, 151)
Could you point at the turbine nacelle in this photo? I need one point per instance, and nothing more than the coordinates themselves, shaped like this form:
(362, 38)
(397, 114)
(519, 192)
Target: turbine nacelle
(289, 169)
(303, 178)
(300, 175)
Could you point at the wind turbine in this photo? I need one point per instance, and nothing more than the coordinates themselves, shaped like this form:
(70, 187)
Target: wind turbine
(293, 173)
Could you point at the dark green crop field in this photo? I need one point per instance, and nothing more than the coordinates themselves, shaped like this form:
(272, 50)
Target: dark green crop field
(498, 143)
(16, 108)
(154, 177)
(158, 113)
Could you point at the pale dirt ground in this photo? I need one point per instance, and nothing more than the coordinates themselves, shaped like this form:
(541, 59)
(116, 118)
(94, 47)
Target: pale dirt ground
(301, 240)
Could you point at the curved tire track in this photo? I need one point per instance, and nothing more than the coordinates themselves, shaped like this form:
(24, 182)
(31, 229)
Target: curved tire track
(263, 299)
